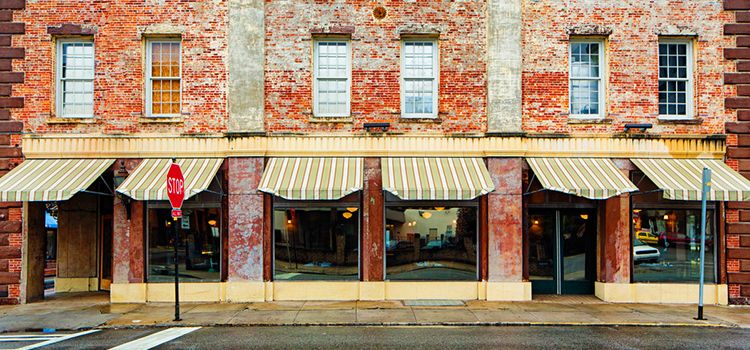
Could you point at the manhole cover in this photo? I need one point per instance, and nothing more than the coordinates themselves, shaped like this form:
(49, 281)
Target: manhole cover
(434, 303)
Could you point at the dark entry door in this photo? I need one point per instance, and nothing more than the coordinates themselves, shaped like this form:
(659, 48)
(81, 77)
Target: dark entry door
(562, 251)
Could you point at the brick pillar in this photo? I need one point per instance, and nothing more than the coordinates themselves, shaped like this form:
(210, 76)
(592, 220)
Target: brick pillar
(245, 258)
(505, 224)
(34, 253)
(128, 242)
(614, 240)
(373, 232)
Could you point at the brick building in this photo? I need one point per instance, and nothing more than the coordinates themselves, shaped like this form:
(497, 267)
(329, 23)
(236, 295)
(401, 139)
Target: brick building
(357, 150)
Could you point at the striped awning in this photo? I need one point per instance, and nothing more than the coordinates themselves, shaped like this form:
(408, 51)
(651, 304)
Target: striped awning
(148, 182)
(436, 178)
(681, 179)
(43, 180)
(312, 178)
(593, 178)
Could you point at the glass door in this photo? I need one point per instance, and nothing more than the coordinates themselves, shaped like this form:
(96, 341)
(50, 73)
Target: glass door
(562, 251)
(105, 252)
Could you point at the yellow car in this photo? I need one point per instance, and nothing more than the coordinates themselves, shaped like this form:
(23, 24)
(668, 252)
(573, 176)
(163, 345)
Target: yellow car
(647, 237)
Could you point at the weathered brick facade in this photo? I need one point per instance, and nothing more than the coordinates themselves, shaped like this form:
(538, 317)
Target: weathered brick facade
(118, 29)
(632, 29)
(375, 43)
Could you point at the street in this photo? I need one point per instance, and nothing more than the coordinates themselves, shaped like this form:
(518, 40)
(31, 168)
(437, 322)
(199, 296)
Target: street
(546, 337)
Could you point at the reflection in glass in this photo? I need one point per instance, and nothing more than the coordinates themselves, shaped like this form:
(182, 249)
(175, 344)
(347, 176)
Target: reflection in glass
(542, 246)
(199, 245)
(666, 245)
(431, 243)
(316, 243)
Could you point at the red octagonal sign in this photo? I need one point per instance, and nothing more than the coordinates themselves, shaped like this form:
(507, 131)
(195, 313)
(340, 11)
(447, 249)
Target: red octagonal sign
(175, 188)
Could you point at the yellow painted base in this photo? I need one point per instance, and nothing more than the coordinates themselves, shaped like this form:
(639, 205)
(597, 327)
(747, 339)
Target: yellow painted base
(248, 291)
(76, 284)
(665, 293)
(508, 291)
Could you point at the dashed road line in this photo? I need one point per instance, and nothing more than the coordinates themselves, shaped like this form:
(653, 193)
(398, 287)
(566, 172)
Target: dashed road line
(156, 339)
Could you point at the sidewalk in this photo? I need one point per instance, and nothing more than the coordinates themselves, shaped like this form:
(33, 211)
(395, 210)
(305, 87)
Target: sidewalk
(73, 312)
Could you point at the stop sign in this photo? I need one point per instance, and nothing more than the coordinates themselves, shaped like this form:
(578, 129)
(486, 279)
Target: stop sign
(175, 188)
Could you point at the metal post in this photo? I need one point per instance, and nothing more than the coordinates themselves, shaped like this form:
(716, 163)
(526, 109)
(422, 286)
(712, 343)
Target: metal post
(704, 193)
(176, 272)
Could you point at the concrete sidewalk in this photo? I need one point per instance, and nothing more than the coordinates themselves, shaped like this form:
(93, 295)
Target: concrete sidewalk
(71, 312)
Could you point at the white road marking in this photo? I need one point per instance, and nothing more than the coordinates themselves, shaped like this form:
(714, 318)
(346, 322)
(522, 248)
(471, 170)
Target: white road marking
(28, 337)
(57, 339)
(156, 339)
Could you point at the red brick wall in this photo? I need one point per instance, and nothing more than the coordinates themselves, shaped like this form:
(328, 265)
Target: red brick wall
(119, 51)
(738, 148)
(376, 62)
(632, 55)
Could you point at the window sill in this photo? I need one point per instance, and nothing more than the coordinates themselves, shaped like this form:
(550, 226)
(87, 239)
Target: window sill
(423, 120)
(82, 120)
(160, 120)
(685, 121)
(314, 119)
(589, 120)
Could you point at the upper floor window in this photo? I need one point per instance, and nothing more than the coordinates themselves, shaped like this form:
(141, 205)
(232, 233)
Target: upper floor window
(419, 78)
(332, 71)
(675, 79)
(75, 78)
(586, 88)
(163, 77)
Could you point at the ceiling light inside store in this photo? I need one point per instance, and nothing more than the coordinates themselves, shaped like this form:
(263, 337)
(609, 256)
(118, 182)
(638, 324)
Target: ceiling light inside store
(585, 216)
(439, 208)
(352, 209)
(347, 215)
(426, 214)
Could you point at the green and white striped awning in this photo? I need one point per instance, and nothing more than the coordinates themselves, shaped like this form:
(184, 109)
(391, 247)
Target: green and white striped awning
(50, 180)
(148, 182)
(593, 178)
(436, 178)
(312, 178)
(681, 179)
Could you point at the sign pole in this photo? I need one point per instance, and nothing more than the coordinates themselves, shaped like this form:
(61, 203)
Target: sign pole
(176, 193)
(176, 272)
(705, 190)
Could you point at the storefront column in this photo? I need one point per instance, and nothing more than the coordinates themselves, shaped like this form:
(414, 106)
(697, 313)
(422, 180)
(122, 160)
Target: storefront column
(128, 241)
(372, 222)
(505, 232)
(245, 231)
(614, 240)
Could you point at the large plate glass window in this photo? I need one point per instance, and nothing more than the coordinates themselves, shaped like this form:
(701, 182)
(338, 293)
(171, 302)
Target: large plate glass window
(332, 78)
(316, 240)
(432, 242)
(75, 78)
(675, 79)
(666, 245)
(163, 77)
(419, 78)
(586, 83)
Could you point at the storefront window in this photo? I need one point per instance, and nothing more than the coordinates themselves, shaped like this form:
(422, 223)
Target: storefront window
(431, 243)
(199, 245)
(666, 245)
(316, 243)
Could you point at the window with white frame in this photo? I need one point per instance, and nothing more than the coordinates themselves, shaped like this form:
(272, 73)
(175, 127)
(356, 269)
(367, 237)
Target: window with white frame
(586, 87)
(163, 77)
(419, 78)
(75, 79)
(332, 77)
(675, 79)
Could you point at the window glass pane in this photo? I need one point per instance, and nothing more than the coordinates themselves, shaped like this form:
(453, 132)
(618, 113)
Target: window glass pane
(332, 78)
(666, 246)
(165, 59)
(199, 245)
(419, 74)
(584, 97)
(77, 79)
(431, 243)
(316, 243)
(165, 78)
(584, 60)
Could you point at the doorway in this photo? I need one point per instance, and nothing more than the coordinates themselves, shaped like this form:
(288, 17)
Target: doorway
(562, 251)
(105, 252)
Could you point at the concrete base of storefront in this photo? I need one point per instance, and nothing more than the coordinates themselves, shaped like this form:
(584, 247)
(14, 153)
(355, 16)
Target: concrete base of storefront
(313, 290)
(76, 284)
(664, 293)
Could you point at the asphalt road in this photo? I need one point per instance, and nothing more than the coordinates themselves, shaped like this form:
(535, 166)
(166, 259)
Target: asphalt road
(412, 338)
